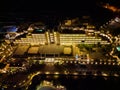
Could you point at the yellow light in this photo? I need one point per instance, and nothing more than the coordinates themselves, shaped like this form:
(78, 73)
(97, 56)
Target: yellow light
(104, 74)
(75, 73)
(116, 75)
(47, 72)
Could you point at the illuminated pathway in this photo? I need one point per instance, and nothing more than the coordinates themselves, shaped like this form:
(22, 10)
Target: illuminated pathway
(30, 77)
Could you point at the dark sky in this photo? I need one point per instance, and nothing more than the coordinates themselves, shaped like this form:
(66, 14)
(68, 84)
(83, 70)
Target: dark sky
(55, 8)
(48, 5)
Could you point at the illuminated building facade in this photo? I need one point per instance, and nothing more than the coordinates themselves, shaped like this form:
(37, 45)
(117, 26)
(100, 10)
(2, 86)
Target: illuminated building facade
(60, 38)
(67, 34)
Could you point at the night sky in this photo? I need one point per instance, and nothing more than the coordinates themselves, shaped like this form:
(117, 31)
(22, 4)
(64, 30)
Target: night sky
(32, 9)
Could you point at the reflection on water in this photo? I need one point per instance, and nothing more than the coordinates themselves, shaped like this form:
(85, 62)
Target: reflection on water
(78, 82)
(47, 85)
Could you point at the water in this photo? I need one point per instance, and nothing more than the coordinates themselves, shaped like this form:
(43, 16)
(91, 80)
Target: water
(79, 82)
